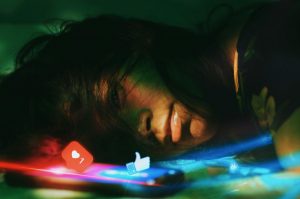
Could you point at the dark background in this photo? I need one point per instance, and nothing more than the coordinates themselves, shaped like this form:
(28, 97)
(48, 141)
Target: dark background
(22, 20)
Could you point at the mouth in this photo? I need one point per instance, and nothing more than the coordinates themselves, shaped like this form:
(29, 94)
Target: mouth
(182, 127)
(175, 124)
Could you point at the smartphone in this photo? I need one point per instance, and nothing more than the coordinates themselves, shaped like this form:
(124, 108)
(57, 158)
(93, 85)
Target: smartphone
(113, 180)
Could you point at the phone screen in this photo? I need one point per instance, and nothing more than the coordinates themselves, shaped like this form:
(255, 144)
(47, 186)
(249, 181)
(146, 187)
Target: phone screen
(120, 172)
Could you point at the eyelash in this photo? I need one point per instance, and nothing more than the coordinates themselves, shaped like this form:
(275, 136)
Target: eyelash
(118, 96)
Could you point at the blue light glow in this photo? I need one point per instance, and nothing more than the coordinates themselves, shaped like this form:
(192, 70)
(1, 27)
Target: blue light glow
(120, 172)
(292, 193)
(232, 149)
(291, 160)
(224, 157)
(233, 167)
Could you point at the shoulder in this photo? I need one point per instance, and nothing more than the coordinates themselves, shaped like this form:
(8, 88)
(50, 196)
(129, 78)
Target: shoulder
(286, 140)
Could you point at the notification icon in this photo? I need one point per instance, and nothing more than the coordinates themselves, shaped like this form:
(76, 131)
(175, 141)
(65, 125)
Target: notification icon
(139, 164)
(77, 157)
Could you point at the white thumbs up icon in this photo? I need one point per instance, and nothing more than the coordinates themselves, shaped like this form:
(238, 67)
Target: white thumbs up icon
(138, 165)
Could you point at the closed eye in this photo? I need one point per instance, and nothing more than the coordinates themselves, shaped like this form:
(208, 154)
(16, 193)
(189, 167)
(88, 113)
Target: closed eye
(118, 96)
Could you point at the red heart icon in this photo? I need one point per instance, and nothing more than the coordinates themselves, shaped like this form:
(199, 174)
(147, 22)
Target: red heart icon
(77, 157)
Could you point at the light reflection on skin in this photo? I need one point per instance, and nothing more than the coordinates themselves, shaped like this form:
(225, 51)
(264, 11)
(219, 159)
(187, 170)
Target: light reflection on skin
(287, 143)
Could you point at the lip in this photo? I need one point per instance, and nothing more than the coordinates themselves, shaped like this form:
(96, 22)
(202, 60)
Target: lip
(185, 132)
(175, 126)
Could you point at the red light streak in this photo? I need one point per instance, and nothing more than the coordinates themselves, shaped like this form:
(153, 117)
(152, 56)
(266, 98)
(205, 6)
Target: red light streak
(60, 171)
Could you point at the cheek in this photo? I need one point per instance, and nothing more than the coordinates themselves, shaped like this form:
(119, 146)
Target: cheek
(197, 128)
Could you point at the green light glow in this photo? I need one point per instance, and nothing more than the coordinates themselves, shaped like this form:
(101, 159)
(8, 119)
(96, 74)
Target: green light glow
(53, 193)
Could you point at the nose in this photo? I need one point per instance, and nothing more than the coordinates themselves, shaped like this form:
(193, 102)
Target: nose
(144, 126)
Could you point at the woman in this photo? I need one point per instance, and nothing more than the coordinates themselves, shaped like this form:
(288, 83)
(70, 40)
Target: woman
(118, 85)
(107, 80)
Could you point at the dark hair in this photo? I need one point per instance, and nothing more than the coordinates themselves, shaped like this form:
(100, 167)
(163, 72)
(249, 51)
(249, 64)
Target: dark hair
(55, 92)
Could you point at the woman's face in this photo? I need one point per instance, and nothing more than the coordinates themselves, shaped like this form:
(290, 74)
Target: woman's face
(150, 109)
